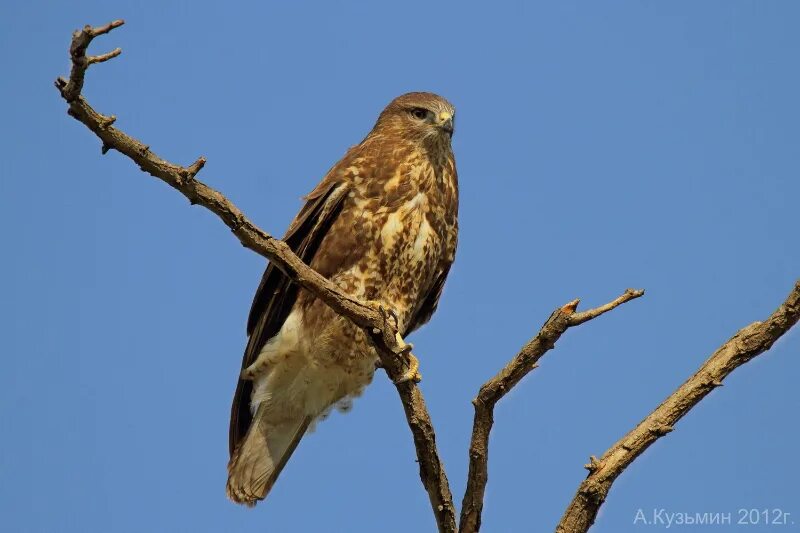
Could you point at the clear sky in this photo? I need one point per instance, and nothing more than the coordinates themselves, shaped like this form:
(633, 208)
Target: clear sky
(600, 145)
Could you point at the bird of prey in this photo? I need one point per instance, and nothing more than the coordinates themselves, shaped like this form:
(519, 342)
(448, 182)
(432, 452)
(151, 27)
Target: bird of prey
(382, 226)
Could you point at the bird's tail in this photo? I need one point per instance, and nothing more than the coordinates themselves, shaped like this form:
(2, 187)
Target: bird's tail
(262, 454)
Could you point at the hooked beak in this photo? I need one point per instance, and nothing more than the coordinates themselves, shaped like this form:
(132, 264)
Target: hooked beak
(445, 121)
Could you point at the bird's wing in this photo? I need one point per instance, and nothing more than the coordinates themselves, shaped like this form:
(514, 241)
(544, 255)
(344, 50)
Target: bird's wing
(430, 302)
(276, 294)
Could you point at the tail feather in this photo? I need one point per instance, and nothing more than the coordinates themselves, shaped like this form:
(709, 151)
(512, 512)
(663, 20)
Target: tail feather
(262, 454)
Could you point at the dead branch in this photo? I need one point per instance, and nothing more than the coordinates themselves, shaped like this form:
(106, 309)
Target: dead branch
(746, 344)
(377, 323)
(497, 387)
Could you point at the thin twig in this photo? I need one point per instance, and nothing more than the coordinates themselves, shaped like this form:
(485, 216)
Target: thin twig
(493, 390)
(377, 323)
(577, 319)
(90, 60)
(746, 344)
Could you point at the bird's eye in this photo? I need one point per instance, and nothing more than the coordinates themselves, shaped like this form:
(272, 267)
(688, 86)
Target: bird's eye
(419, 113)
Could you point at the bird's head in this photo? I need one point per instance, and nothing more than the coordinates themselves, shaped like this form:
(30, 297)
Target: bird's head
(425, 117)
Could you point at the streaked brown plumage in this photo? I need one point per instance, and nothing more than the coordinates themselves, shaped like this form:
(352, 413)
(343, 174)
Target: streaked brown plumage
(382, 225)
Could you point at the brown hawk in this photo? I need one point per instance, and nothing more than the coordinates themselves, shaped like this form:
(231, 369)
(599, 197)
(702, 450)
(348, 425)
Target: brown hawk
(381, 225)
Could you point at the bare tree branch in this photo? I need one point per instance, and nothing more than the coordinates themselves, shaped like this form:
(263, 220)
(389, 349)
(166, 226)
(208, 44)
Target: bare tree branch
(377, 323)
(80, 62)
(746, 344)
(497, 387)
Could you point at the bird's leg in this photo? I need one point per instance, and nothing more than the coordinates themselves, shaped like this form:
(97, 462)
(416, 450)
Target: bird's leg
(404, 349)
(412, 373)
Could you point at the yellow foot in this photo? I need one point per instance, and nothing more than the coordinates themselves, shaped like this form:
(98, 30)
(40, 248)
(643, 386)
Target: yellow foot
(412, 372)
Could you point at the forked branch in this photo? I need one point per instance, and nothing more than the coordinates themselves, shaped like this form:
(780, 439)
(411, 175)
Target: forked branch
(493, 390)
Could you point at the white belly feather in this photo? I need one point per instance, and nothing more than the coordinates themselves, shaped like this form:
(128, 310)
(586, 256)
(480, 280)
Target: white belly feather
(300, 374)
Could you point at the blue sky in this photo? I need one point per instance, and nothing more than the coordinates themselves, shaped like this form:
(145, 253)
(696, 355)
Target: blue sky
(600, 145)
